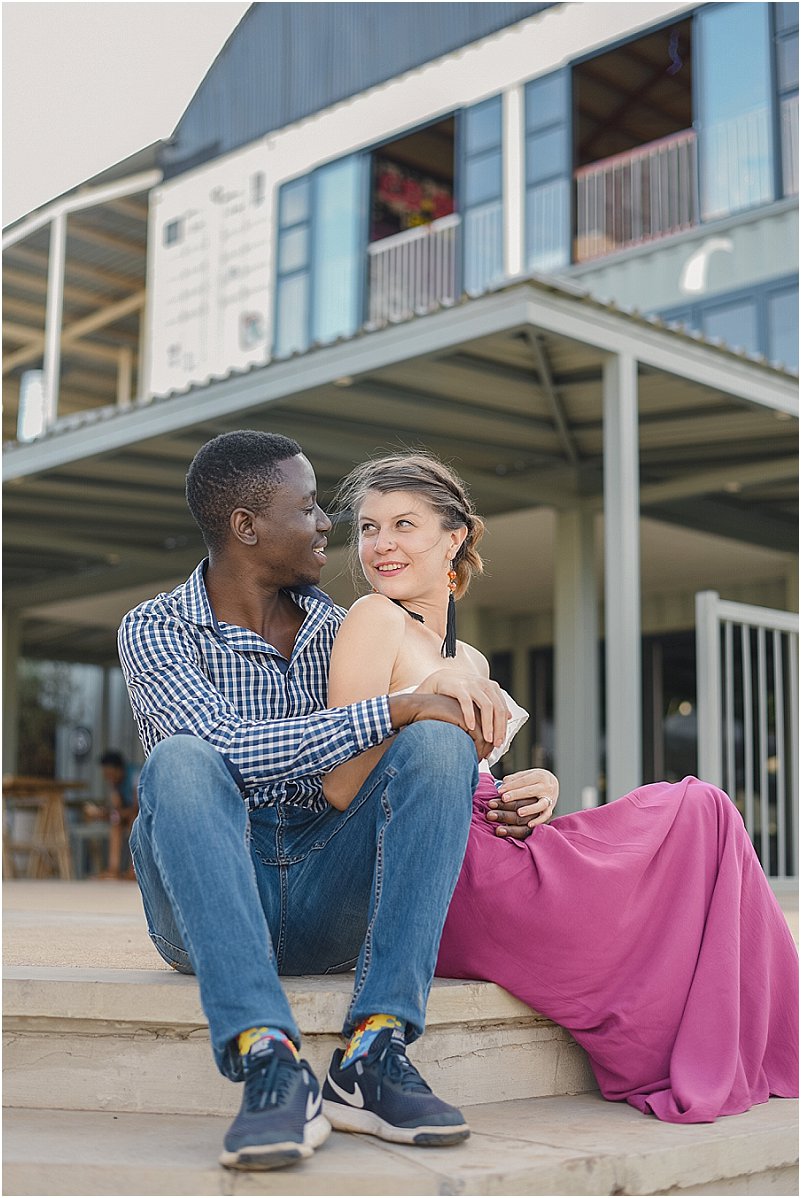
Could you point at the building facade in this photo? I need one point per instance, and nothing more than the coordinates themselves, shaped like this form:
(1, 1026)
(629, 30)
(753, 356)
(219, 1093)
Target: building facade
(556, 243)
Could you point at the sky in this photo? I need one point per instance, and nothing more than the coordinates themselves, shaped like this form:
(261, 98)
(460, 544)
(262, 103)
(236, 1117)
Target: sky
(87, 84)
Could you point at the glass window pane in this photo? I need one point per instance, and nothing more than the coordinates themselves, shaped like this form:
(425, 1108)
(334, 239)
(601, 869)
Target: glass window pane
(339, 203)
(546, 101)
(735, 134)
(293, 249)
(292, 315)
(787, 62)
(482, 178)
(735, 324)
(786, 17)
(783, 327)
(294, 205)
(483, 126)
(547, 231)
(546, 155)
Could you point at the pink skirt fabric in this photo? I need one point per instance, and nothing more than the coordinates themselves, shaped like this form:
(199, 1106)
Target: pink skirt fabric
(647, 929)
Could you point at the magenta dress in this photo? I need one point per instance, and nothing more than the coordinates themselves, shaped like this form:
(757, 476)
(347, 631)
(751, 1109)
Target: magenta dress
(647, 929)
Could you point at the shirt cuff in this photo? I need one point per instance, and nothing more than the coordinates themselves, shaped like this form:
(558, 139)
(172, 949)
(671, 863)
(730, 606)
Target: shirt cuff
(371, 722)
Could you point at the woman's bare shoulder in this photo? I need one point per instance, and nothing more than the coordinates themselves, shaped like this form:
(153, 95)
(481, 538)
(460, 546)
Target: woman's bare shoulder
(476, 660)
(374, 611)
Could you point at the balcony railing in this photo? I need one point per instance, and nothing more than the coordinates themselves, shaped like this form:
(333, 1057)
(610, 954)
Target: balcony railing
(638, 196)
(413, 272)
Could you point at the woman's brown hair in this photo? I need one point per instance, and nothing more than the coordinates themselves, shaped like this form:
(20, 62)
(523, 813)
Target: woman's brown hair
(437, 484)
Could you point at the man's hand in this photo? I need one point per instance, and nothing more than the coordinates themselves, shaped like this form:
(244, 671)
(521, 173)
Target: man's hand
(525, 799)
(408, 709)
(475, 696)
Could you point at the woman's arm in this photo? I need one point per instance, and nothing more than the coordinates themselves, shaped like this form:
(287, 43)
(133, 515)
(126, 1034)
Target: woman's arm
(362, 661)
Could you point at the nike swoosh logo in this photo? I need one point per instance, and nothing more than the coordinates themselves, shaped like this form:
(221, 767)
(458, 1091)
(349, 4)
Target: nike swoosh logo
(356, 1098)
(313, 1105)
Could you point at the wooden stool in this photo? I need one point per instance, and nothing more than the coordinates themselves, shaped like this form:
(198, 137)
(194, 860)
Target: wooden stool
(49, 847)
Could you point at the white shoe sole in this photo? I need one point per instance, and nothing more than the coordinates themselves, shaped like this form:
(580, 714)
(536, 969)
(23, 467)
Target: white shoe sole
(345, 1118)
(279, 1155)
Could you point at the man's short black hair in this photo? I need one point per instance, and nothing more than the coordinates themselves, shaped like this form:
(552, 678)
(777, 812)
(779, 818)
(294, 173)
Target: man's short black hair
(112, 757)
(238, 469)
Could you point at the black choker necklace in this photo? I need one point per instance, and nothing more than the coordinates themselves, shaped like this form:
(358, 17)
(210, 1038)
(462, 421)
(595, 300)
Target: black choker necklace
(449, 644)
(415, 615)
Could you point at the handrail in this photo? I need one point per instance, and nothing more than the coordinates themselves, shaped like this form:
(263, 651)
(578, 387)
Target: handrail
(410, 235)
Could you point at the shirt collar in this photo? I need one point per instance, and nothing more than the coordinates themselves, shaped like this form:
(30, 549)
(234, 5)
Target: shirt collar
(196, 608)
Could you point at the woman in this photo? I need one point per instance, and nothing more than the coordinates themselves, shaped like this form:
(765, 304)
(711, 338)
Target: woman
(646, 927)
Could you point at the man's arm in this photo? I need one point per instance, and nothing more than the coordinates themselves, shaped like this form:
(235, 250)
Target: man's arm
(171, 693)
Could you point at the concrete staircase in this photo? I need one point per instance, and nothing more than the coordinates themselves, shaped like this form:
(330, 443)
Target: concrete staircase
(110, 1088)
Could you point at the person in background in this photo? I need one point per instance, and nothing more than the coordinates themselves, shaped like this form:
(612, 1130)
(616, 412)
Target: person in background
(121, 779)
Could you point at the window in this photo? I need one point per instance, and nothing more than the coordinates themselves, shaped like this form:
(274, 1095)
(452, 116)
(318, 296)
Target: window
(736, 163)
(734, 323)
(482, 195)
(292, 287)
(548, 172)
(782, 326)
(785, 27)
(319, 256)
(763, 320)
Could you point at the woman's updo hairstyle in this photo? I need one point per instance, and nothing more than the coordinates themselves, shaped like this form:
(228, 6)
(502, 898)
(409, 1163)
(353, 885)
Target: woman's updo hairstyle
(437, 484)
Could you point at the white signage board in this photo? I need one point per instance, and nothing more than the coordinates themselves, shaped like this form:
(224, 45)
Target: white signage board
(209, 272)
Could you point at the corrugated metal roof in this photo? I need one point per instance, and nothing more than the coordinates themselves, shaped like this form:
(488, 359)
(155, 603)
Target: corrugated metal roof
(285, 61)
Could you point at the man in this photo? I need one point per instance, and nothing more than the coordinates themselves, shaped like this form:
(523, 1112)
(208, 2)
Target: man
(245, 870)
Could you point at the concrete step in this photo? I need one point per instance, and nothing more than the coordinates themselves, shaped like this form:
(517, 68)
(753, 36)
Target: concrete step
(579, 1145)
(137, 1040)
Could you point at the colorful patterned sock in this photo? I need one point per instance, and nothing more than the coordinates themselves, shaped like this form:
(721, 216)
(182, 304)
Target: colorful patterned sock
(259, 1039)
(363, 1036)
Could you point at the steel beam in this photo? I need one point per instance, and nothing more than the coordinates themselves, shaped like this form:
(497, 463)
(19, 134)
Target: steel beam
(546, 378)
(78, 200)
(50, 341)
(622, 577)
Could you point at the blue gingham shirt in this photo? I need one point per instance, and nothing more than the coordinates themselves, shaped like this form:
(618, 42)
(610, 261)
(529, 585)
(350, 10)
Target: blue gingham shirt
(188, 672)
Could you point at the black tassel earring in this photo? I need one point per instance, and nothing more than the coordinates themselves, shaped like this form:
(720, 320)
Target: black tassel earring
(449, 644)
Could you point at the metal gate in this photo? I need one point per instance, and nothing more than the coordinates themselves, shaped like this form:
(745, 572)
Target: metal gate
(747, 668)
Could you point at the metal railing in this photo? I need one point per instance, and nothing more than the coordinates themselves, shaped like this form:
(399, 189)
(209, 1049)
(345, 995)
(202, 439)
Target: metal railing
(789, 141)
(747, 667)
(483, 247)
(737, 163)
(637, 196)
(413, 272)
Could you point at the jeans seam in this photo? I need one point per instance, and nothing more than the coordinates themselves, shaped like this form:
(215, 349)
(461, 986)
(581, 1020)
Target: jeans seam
(368, 936)
(283, 890)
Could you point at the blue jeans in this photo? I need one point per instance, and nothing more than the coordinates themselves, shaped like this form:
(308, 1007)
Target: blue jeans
(238, 898)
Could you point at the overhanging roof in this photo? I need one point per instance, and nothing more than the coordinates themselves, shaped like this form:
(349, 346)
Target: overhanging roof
(507, 386)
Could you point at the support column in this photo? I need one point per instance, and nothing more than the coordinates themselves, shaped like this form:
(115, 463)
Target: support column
(53, 314)
(576, 696)
(513, 181)
(521, 689)
(622, 576)
(12, 639)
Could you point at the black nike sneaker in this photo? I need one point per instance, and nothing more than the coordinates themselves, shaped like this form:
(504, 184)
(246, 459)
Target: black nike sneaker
(280, 1120)
(382, 1094)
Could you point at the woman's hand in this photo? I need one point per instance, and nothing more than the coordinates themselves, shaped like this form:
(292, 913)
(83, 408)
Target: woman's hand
(525, 799)
(473, 692)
